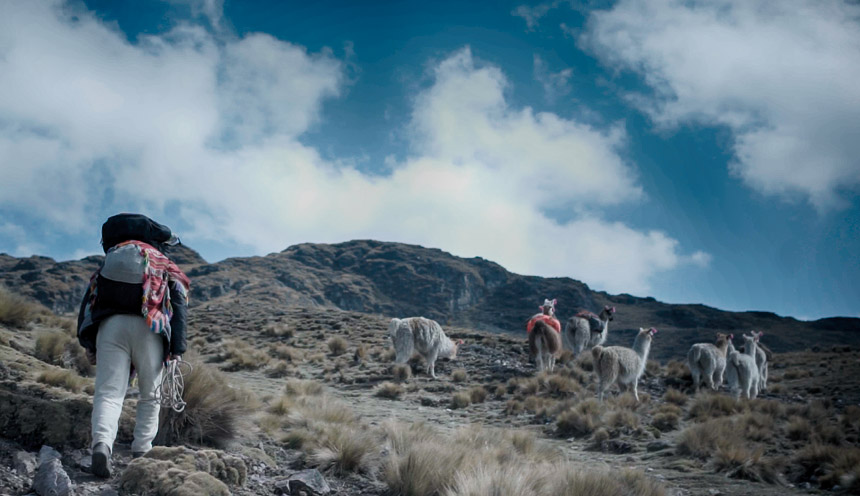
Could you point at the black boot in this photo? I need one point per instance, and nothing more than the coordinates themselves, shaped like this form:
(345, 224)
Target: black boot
(101, 461)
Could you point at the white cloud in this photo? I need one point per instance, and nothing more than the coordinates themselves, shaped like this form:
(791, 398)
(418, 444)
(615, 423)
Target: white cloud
(210, 127)
(533, 14)
(781, 75)
(555, 84)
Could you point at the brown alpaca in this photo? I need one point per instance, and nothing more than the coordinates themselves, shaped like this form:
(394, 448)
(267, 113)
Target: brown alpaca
(544, 345)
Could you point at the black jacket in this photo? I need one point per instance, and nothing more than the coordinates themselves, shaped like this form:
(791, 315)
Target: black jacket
(123, 298)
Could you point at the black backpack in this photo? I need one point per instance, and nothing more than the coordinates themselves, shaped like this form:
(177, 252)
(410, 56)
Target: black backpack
(123, 227)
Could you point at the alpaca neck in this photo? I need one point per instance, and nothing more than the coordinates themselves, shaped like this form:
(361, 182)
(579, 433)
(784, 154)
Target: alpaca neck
(730, 348)
(446, 347)
(723, 347)
(750, 349)
(642, 346)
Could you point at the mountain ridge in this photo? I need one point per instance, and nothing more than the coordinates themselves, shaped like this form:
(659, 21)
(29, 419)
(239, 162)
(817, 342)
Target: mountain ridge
(398, 280)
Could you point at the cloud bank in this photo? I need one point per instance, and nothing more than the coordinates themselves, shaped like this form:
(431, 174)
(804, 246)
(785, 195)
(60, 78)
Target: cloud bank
(781, 75)
(210, 125)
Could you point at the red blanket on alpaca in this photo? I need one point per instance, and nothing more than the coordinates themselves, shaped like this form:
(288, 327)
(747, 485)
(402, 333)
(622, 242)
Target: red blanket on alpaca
(552, 321)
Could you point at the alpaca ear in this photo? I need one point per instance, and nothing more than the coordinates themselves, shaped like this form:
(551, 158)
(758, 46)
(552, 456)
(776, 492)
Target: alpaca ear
(460, 342)
(653, 331)
(731, 336)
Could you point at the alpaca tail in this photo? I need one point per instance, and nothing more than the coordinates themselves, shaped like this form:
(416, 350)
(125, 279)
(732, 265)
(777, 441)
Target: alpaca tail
(550, 338)
(401, 338)
(694, 357)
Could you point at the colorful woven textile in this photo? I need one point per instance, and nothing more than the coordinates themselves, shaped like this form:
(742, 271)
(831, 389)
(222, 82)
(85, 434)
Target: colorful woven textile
(551, 321)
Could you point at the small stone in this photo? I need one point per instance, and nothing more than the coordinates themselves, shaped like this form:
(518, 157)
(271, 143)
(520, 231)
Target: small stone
(310, 481)
(109, 492)
(24, 463)
(617, 446)
(52, 480)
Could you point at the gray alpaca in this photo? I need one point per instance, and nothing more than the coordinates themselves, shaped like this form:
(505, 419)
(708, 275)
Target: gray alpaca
(622, 365)
(761, 361)
(425, 336)
(586, 330)
(707, 362)
(742, 372)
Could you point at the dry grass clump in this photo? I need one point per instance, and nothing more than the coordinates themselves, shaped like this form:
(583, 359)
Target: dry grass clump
(585, 361)
(67, 379)
(706, 406)
(561, 386)
(360, 354)
(461, 399)
(666, 421)
(627, 401)
(514, 407)
(579, 420)
(343, 449)
(832, 465)
(302, 387)
(740, 461)
(798, 429)
(773, 408)
(16, 310)
(51, 345)
(286, 352)
(183, 472)
(672, 395)
(389, 390)
(337, 346)
(653, 368)
(459, 375)
(478, 394)
(678, 375)
(279, 369)
(278, 330)
(621, 421)
(701, 440)
(215, 412)
(243, 356)
(796, 373)
(402, 372)
(500, 391)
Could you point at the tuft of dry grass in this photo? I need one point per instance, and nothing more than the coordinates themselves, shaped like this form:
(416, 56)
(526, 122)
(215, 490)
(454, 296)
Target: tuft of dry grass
(795, 373)
(337, 346)
(706, 406)
(621, 421)
(402, 372)
(798, 429)
(500, 391)
(344, 449)
(478, 394)
(832, 465)
(666, 421)
(243, 356)
(66, 379)
(279, 369)
(514, 407)
(51, 345)
(579, 420)
(278, 330)
(215, 412)
(302, 387)
(459, 375)
(286, 352)
(389, 390)
(561, 386)
(16, 310)
(461, 399)
(740, 461)
(672, 395)
(701, 440)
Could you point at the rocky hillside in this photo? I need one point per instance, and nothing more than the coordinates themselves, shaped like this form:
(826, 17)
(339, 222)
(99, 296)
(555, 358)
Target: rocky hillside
(395, 279)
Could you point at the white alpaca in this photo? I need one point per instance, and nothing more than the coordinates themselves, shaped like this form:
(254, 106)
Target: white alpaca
(761, 361)
(586, 330)
(622, 365)
(741, 370)
(425, 336)
(707, 362)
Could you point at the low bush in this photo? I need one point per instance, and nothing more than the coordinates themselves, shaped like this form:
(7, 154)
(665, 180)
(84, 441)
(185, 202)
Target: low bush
(337, 345)
(579, 420)
(459, 375)
(67, 379)
(461, 399)
(389, 390)
(16, 310)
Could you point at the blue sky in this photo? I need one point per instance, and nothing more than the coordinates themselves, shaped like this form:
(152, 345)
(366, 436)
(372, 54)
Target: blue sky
(691, 151)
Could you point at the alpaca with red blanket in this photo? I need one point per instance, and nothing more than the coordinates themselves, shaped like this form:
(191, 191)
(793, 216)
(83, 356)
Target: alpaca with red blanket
(544, 332)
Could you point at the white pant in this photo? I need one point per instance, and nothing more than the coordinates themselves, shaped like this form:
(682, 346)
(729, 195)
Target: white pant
(121, 341)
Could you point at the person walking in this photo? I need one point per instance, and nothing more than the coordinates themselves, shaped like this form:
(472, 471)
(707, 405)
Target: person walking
(132, 317)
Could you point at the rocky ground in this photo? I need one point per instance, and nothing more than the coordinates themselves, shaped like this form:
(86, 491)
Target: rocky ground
(811, 404)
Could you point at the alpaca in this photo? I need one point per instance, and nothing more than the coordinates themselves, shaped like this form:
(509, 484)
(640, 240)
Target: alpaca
(544, 336)
(544, 345)
(586, 330)
(708, 362)
(623, 365)
(424, 336)
(741, 370)
(761, 359)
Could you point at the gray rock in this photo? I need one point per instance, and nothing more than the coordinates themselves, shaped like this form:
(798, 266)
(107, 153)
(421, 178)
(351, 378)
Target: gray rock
(617, 446)
(310, 481)
(52, 480)
(48, 453)
(24, 463)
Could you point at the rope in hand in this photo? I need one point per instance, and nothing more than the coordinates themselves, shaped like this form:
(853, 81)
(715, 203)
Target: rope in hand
(169, 392)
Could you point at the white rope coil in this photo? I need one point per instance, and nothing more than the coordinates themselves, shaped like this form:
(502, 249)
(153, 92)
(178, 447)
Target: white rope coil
(169, 392)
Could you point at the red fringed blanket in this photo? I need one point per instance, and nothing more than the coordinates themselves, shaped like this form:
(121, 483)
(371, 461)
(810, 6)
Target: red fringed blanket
(552, 321)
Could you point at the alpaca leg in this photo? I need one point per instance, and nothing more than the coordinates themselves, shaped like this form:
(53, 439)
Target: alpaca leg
(636, 390)
(709, 380)
(431, 363)
(694, 371)
(539, 360)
